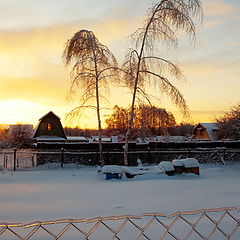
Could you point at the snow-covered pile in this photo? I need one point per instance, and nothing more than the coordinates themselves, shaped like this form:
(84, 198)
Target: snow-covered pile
(190, 162)
(177, 163)
(167, 166)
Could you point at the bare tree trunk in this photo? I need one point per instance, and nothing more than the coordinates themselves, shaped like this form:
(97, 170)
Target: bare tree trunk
(99, 129)
(93, 62)
(98, 111)
(158, 26)
(130, 122)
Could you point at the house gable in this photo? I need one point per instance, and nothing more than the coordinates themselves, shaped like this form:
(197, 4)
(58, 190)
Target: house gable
(205, 131)
(50, 127)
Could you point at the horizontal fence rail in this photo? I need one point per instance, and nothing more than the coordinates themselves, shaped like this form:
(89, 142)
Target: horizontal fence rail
(206, 224)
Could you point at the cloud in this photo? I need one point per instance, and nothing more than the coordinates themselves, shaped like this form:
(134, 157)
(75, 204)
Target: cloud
(217, 8)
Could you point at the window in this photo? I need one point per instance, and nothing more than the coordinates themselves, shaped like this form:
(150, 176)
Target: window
(49, 127)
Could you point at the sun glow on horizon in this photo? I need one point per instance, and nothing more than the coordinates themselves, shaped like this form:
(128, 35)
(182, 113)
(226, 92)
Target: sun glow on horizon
(20, 111)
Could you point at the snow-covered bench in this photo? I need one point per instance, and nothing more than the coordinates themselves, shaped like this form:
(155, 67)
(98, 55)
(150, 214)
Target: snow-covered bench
(112, 171)
(115, 171)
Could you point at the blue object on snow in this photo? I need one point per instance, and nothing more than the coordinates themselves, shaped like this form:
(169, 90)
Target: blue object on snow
(113, 175)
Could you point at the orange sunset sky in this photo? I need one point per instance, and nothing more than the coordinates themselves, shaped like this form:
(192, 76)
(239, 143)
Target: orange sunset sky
(34, 80)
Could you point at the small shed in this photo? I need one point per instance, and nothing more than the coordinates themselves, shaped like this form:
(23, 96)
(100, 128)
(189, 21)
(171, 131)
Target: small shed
(49, 129)
(205, 132)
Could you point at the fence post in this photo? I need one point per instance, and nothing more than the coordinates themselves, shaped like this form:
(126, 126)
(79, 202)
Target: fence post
(4, 161)
(33, 165)
(62, 157)
(189, 153)
(149, 155)
(14, 159)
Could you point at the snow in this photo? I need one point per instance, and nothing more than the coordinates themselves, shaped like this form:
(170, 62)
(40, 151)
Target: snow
(77, 138)
(52, 193)
(210, 127)
(190, 162)
(167, 166)
(49, 138)
(111, 169)
(177, 163)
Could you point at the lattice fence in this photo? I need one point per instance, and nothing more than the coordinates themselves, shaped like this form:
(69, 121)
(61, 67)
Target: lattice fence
(206, 224)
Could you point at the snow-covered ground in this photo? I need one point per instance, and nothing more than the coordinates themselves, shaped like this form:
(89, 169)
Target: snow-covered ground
(52, 193)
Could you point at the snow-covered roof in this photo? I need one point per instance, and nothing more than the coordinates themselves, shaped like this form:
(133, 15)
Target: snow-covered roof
(77, 138)
(114, 139)
(104, 139)
(49, 138)
(210, 127)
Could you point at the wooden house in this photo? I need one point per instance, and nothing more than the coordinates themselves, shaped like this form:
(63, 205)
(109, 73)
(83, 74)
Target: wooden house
(49, 129)
(205, 132)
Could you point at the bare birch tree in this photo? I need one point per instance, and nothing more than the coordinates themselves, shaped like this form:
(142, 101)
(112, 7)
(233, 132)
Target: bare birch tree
(163, 21)
(229, 124)
(94, 65)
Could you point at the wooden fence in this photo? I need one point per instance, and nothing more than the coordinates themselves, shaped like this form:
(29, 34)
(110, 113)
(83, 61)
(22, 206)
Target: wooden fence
(20, 159)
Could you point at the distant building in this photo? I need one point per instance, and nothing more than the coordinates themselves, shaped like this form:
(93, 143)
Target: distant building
(49, 129)
(205, 132)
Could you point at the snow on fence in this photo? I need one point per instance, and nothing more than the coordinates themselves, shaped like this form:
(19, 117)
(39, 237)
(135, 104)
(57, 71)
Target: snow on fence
(205, 224)
(17, 159)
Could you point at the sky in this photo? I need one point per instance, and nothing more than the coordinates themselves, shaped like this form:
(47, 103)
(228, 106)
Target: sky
(34, 80)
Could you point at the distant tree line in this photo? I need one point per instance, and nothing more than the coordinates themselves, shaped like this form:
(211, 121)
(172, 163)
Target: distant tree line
(148, 121)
